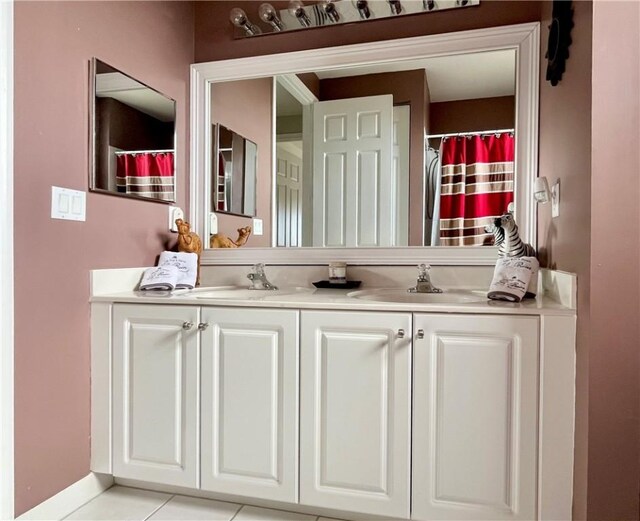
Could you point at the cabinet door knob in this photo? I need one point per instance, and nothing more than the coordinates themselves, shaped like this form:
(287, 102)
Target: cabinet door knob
(202, 326)
(420, 334)
(400, 333)
(187, 325)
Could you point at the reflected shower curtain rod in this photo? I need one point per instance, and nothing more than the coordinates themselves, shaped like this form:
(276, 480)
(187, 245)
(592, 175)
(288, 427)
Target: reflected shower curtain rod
(121, 152)
(478, 132)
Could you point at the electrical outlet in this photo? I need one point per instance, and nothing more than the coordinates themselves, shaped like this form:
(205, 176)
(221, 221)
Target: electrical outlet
(555, 199)
(257, 227)
(174, 213)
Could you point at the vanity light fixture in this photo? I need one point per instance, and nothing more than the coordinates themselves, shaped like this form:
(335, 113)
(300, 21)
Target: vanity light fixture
(239, 18)
(296, 8)
(330, 10)
(396, 6)
(268, 14)
(363, 9)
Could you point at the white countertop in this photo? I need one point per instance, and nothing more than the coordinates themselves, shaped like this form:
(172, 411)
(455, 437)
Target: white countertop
(336, 299)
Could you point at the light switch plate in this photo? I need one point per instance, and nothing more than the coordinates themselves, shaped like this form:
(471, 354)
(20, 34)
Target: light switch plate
(555, 199)
(68, 205)
(257, 226)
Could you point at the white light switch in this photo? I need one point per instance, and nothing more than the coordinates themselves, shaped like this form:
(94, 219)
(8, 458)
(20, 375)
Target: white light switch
(69, 205)
(257, 227)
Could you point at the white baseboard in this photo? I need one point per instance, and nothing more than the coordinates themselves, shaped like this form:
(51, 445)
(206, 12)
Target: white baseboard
(70, 499)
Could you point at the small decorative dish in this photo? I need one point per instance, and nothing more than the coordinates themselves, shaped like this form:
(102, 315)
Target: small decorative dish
(325, 284)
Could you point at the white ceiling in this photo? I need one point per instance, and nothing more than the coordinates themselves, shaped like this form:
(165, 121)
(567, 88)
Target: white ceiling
(465, 76)
(134, 94)
(286, 104)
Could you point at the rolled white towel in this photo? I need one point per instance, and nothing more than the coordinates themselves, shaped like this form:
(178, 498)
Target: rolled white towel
(160, 277)
(513, 278)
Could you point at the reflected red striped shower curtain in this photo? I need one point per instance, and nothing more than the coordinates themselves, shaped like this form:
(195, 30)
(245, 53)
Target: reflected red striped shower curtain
(476, 186)
(147, 174)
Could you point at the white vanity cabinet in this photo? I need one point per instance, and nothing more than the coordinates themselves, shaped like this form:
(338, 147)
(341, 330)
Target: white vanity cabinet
(249, 402)
(475, 410)
(155, 393)
(356, 411)
(422, 416)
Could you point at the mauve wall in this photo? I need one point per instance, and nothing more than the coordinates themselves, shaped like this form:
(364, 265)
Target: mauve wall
(214, 33)
(565, 242)
(614, 350)
(54, 41)
(408, 88)
(472, 114)
(245, 107)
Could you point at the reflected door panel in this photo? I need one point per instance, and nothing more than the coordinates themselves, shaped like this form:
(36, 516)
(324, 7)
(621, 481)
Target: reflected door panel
(288, 194)
(353, 200)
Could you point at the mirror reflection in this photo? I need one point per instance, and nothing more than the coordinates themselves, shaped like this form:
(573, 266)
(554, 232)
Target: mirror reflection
(235, 172)
(133, 137)
(411, 153)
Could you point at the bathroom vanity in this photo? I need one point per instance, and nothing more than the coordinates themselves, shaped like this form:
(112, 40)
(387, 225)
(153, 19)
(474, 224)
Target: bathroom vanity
(452, 408)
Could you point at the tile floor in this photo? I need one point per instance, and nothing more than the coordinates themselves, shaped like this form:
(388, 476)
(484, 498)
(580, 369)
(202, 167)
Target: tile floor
(130, 504)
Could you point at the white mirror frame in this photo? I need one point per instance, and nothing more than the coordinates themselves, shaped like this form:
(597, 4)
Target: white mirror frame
(523, 38)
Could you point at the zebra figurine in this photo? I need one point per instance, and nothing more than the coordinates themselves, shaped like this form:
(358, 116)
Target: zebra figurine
(512, 245)
(497, 231)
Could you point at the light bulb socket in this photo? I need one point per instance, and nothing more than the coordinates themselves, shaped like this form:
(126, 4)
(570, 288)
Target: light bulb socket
(428, 5)
(239, 18)
(296, 8)
(268, 14)
(363, 9)
(330, 10)
(396, 6)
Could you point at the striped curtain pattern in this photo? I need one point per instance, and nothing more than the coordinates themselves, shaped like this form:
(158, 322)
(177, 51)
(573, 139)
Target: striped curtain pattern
(147, 174)
(477, 186)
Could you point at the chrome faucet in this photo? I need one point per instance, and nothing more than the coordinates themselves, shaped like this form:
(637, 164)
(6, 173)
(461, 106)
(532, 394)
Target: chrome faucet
(258, 278)
(423, 284)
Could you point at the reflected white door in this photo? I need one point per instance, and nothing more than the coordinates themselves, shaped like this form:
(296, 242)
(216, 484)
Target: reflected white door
(355, 411)
(289, 194)
(475, 417)
(250, 402)
(155, 394)
(353, 201)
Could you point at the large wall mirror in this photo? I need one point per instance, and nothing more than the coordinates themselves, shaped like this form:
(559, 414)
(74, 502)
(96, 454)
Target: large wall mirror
(392, 150)
(132, 137)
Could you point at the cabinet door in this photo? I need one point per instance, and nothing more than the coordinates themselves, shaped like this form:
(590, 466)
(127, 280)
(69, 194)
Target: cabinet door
(155, 368)
(355, 412)
(475, 417)
(250, 402)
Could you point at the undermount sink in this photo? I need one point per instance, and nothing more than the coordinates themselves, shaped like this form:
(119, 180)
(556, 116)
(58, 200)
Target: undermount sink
(403, 296)
(242, 292)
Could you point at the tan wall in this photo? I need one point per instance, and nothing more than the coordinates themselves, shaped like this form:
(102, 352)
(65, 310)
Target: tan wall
(54, 42)
(407, 88)
(471, 115)
(245, 107)
(565, 242)
(614, 344)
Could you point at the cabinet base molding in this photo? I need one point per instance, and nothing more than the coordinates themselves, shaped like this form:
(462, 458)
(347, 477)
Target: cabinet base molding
(71, 498)
(278, 505)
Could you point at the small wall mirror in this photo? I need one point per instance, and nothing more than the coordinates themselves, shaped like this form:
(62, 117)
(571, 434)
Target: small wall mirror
(234, 172)
(132, 137)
